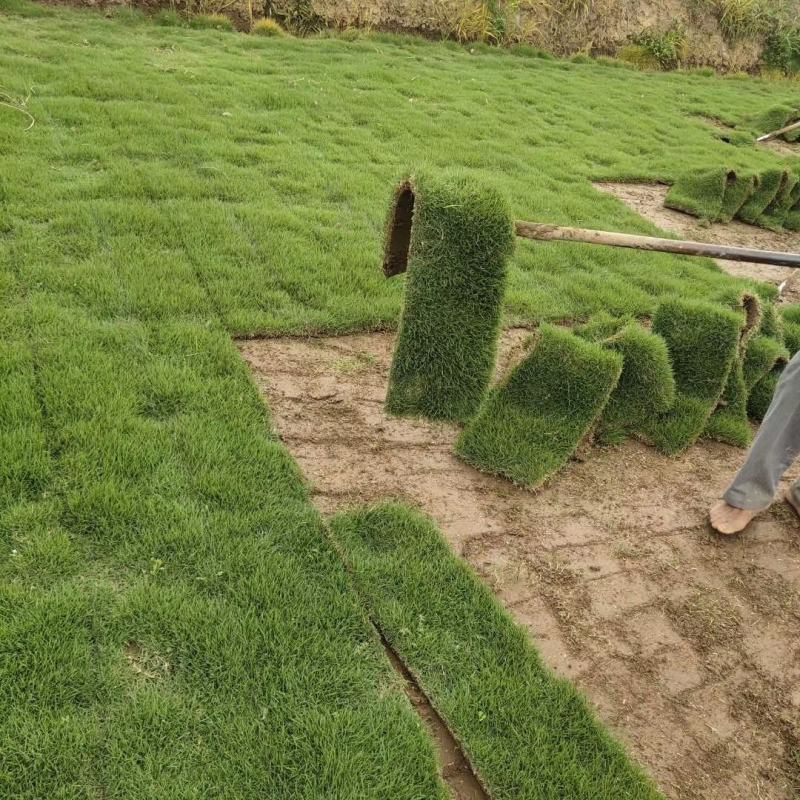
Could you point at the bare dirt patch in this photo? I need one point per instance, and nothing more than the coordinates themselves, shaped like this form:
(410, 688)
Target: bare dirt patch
(687, 644)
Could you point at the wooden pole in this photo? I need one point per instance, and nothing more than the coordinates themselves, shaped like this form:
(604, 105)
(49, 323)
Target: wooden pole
(788, 129)
(550, 233)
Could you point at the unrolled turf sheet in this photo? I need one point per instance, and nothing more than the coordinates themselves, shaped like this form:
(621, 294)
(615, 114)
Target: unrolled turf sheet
(528, 734)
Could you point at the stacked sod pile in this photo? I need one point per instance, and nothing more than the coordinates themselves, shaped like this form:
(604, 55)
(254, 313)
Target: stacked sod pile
(702, 370)
(770, 199)
(452, 236)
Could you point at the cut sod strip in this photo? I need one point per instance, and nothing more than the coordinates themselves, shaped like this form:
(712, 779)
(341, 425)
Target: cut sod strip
(770, 183)
(646, 385)
(703, 341)
(736, 193)
(701, 193)
(452, 236)
(527, 734)
(778, 210)
(534, 420)
(728, 423)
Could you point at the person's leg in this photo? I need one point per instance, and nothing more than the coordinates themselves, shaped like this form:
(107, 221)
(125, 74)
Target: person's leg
(775, 447)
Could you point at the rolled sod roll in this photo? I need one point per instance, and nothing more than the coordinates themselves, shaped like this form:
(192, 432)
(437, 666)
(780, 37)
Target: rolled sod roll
(534, 420)
(761, 395)
(453, 236)
(774, 217)
(737, 192)
(763, 352)
(728, 423)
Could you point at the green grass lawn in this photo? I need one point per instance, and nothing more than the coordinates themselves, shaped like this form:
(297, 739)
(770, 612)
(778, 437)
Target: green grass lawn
(173, 621)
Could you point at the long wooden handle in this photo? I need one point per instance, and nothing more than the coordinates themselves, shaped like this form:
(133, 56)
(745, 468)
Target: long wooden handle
(550, 233)
(788, 129)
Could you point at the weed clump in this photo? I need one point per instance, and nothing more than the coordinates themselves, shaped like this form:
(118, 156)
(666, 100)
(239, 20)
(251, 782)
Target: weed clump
(663, 49)
(169, 18)
(267, 27)
(534, 420)
(453, 236)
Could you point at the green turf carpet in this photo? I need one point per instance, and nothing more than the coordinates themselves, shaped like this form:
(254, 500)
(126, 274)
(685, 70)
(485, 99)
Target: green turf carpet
(703, 340)
(527, 734)
(453, 236)
(534, 420)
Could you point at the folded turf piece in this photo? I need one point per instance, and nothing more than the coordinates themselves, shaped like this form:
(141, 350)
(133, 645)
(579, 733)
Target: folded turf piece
(792, 220)
(790, 320)
(646, 385)
(534, 420)
(762, 393)
(454, 236)
(737, 192)
(791, 335)
(703, 342)
(701, 192)
(769, 184)
(763, 352)
(527, 734)
(774, 216)
(771, 322)
(728, 423)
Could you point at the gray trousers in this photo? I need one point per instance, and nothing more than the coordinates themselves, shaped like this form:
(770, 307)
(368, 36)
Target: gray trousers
(775, 447)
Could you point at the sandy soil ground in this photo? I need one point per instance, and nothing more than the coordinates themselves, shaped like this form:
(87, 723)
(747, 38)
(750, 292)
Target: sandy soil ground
(687, 643)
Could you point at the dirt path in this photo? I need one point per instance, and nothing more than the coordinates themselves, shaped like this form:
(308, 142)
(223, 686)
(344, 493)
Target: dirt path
(688, 644)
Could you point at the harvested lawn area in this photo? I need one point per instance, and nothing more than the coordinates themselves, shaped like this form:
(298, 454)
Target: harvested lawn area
(478, 668)
(173, 620)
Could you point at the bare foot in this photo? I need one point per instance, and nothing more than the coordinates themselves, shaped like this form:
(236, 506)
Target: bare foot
(729, 519)
(789, 498)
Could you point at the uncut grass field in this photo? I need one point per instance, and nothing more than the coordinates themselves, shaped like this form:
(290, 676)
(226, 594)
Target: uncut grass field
(173, 620)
